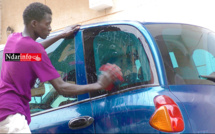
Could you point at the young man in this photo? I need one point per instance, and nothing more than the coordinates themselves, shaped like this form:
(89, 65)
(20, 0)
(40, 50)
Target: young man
(17, 78)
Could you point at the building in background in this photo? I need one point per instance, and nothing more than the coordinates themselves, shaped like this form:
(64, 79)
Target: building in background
(69, 12)
(65, 12)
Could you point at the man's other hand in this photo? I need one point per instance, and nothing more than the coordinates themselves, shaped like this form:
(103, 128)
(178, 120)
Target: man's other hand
(70, 31)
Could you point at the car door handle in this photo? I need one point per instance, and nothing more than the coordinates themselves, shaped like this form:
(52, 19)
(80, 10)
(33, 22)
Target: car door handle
(80, 122)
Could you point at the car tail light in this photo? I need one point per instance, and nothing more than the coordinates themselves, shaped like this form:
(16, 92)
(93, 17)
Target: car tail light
(167, 116)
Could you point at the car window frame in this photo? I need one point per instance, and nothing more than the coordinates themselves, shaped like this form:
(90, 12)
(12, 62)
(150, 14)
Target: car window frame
(148, 52)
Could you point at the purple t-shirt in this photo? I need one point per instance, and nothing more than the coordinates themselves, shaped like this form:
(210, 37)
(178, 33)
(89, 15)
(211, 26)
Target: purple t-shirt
(18, 77)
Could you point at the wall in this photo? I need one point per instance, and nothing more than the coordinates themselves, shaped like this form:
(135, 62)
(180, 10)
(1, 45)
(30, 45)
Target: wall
(65, 12)
(12, 15)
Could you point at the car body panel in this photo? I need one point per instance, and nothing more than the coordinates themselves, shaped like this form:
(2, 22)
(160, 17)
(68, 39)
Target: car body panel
(56, 121)
(199, 103)
(131, 111)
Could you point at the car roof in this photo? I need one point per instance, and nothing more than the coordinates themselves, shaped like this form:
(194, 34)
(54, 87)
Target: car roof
(116, 22)
(129, 22)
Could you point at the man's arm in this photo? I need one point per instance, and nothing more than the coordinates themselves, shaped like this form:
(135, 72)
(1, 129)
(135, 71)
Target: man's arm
(68, 89)
(50, 41)
(66, 33)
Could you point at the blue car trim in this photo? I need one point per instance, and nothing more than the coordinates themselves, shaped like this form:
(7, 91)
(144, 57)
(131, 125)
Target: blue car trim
(157, 57)
(80, 64)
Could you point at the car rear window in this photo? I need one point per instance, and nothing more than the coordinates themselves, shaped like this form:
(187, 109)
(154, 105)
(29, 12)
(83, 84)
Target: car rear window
(187, 51)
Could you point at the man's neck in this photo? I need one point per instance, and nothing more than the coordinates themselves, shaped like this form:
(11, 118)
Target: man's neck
(27, 32)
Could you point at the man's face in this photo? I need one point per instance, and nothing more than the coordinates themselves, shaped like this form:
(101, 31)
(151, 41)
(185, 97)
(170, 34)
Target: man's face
(43, 27)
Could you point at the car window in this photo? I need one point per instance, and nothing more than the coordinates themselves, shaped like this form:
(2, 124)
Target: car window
(204, 61)
(118, 45)
(44, 96)
(204, 56)
(187, 52)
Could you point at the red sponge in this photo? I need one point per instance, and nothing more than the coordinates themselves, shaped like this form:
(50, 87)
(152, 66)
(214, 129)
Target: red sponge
(110, 67)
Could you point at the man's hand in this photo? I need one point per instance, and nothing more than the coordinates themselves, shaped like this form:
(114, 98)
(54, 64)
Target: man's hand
(67, 33)
(112, 74)
(70, 31)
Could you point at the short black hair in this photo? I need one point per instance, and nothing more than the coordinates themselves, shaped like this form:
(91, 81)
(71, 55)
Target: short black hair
(35, 11)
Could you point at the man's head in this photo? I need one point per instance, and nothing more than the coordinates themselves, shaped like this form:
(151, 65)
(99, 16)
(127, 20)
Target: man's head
(37, 17)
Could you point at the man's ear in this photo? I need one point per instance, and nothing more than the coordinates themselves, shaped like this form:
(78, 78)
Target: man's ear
(34, 23)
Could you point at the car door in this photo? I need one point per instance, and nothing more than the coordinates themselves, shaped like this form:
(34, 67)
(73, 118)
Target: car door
(129, 106)
(54, 113)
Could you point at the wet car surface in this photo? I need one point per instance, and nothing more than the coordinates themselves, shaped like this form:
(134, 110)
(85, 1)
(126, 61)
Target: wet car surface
(168, 80)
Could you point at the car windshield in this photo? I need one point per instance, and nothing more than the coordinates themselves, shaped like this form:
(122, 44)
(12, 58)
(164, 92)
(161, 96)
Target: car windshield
(187, 51)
